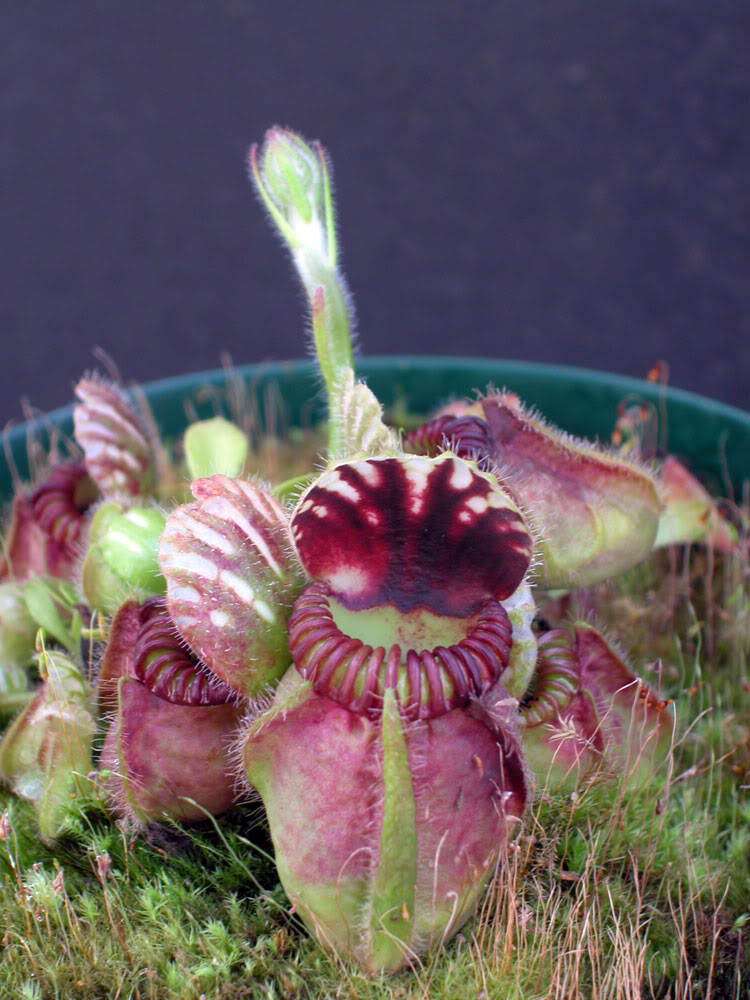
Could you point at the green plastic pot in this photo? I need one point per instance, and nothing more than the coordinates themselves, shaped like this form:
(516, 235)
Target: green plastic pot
(712, 437)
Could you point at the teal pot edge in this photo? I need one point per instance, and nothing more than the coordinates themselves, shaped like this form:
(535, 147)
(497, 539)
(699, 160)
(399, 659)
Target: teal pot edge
(712, 437)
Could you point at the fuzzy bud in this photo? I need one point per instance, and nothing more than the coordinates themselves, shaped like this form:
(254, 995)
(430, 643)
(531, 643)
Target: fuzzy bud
(294, 178)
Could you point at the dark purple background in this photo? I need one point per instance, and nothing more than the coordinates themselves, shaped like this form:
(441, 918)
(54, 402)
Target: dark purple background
(564, 182)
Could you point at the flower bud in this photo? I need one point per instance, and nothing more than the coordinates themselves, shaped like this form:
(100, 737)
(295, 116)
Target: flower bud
(122, 556)
(45, 756)
(167, 748)
(385, 832)
(293, 178)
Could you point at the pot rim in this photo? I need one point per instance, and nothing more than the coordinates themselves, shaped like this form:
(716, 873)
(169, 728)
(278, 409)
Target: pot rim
(580, 400)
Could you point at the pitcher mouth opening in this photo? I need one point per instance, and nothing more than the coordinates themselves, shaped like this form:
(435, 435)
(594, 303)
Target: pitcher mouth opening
(61, 501)
(428, 683)
(167, 668)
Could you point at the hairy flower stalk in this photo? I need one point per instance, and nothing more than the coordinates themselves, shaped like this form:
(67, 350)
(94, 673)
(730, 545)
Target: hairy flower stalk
(293, 180)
